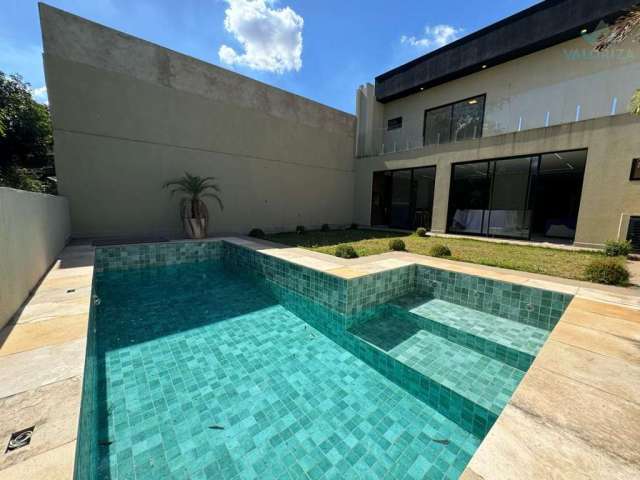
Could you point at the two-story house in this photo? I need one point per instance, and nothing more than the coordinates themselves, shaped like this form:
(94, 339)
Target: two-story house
(519, 130)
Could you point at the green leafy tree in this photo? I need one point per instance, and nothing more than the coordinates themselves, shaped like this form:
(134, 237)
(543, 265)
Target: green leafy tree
(626, 26)
(25, 135)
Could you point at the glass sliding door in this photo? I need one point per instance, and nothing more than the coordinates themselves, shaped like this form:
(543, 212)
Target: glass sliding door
(509, 214)
(521, 197)
(401, 199)
(424, 181)
(469, 197)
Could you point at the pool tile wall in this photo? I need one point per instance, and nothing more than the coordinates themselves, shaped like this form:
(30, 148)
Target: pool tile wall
(345, 296)
(131, 257)
(528, 305)
(87, 444)
(531, 306)
(328, 290)
(380, 287)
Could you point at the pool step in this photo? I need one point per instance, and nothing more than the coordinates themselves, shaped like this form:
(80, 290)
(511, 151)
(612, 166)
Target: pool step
(502, 339)
(478, 378)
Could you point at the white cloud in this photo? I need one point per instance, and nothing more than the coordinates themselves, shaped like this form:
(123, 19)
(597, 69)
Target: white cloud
(434, 37)
(40, 95)
(271, 37)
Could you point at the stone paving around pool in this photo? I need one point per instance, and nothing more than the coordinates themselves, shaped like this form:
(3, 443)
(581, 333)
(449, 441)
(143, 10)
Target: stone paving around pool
(574, 415)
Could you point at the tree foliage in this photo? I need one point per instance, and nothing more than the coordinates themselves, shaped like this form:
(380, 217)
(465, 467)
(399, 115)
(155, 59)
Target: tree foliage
(25, 137)
(626, 26)
(25, 125)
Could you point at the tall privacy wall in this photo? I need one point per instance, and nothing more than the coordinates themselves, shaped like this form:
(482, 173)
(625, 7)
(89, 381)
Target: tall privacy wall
(129, 115)
(34, 228)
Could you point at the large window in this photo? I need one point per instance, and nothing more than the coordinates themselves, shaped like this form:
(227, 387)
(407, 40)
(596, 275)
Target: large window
(454, 122)
(518, 197)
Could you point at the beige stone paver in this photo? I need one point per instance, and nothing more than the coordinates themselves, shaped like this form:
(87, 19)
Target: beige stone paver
(597, 341)
(42, 354)
(606, 373)
(54, 464)
(53, 409)
(28, 370)
(24, 337)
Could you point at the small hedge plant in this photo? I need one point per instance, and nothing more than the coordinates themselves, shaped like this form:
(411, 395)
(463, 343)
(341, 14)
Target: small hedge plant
(610, 271)
(256, 233)
(346, 251)
(301, 230)
(439, 250)
(421, 232)
(354, 226)
(615, 248)
(325, 227)
(397, 244)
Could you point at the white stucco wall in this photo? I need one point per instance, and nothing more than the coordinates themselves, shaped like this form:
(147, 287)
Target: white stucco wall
(553, 81)
(34, 228)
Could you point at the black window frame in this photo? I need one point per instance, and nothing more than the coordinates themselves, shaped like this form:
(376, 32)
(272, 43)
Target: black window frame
(635, 163)
(398, 127)
(451, 105)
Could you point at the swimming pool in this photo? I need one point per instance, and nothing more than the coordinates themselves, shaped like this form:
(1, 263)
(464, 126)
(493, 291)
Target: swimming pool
(210, 360)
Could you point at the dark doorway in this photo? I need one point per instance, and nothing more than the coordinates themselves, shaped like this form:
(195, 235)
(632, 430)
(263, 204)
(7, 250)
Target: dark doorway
(403, 198)
(381, 198)
(557, 191)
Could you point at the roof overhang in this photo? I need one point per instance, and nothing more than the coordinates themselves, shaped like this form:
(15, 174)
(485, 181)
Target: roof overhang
(541, 26)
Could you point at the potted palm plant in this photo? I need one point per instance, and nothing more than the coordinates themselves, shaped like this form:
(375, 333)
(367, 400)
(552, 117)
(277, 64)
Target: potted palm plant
(193, 210)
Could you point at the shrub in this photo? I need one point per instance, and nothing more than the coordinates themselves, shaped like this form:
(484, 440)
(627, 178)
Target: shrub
(354, 226)
(421, 232)
(346, 251)
(610, 271)
(615, 248)
(397, 244)
(300, 230)
(439, 250)
(256, 233)
(325, 227)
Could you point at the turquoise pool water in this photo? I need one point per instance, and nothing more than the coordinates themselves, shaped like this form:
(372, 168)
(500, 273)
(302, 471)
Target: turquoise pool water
(203, 373)
(213, 360)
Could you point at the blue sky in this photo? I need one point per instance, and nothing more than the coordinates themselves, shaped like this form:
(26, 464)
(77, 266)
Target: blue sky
(321, 49)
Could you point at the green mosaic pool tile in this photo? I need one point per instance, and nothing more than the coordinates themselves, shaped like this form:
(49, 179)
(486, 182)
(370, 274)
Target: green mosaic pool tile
(185, 347)
(478, 378)
(531, 306)
(511, 342)
(464, 412)
(129, 257)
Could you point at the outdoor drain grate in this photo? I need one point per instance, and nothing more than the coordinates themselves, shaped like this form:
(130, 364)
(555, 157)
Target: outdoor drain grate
(20, 439)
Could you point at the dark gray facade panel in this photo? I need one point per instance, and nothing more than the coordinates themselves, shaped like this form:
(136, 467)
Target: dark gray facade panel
(540, 26)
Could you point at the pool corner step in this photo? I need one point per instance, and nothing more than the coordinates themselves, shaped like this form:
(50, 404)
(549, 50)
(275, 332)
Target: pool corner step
(511, 342)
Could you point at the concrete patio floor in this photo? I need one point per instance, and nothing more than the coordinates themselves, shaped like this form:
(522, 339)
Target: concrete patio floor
(576, 414)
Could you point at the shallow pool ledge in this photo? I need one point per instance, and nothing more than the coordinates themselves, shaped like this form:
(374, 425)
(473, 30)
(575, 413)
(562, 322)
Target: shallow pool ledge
(574, 414)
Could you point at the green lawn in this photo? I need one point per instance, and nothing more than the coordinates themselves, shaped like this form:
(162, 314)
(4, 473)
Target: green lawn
(549, 261)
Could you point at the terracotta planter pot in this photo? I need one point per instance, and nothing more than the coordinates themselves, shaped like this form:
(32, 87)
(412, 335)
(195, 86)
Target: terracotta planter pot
(195, 228)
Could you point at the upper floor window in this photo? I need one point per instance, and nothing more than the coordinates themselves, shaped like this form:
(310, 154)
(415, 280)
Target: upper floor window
(394, 123)
(635, 169)
(454, 122)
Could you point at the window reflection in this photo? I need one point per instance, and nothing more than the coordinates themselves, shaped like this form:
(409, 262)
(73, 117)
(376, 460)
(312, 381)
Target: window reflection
(454, 122)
